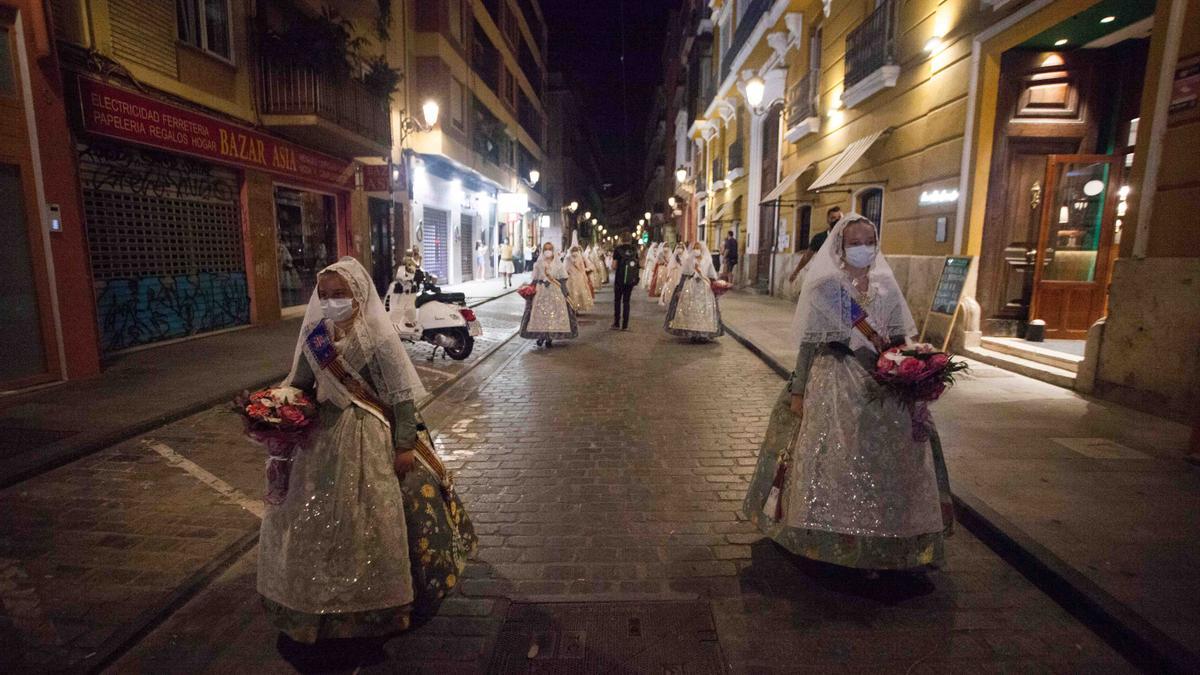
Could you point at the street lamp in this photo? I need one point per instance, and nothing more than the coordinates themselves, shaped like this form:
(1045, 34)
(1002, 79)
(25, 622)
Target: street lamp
(534, 175)
(681, 175)
(641, 222)
(573, 207)
(671, 202)
(755, 89)
(587, 215)
(410, 124)
(647, 215)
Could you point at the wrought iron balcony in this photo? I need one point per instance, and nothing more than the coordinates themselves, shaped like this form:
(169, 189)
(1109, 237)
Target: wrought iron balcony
(297, 99)
(718, 171)
(802, 99)
(741, 33)
(872, 44)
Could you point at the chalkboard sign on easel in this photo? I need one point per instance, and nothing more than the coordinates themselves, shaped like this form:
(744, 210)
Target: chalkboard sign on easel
(945, 305)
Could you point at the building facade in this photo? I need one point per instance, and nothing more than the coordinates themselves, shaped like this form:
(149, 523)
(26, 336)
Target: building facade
(470, 180)
(1045, 141)
(573, 173)
(45, 299)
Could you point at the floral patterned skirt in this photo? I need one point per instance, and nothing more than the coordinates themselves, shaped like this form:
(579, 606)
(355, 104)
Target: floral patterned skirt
(812, 477)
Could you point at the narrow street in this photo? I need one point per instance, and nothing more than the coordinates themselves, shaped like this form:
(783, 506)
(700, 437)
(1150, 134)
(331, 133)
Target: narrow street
(607, 472)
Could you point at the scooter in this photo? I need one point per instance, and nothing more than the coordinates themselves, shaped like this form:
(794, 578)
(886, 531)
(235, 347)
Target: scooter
(420, 311)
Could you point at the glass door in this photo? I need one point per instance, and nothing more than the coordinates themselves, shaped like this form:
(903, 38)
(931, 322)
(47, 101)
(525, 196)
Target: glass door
(1075, 243)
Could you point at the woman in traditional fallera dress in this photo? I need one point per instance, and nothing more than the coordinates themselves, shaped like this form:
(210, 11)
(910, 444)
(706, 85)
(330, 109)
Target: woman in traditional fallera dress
(657, 273)
(694, 312)
(649, 255)
(353, 550)
(549, 316)
(579, 283)
(674, 263)
(840, 478)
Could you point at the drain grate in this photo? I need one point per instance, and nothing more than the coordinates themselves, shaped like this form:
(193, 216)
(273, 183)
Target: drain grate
(608, 637)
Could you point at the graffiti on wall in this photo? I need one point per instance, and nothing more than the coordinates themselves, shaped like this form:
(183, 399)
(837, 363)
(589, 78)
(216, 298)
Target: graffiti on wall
(134, 312)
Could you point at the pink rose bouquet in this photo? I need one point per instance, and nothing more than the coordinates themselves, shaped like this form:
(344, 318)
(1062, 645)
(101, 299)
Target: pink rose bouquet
(917, 374)
(279, 419)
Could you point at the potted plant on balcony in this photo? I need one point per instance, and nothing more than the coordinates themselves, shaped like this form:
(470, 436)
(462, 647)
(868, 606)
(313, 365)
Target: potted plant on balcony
(380, 78)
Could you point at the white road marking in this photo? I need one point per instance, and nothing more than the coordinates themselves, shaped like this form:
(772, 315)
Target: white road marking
(230, 493)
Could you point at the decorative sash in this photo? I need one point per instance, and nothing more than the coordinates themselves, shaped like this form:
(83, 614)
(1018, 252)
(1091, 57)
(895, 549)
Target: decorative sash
(858, 319)
(321, 344)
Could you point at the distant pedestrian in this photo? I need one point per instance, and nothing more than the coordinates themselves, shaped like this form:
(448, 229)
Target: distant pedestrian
(626, 272)
(814, 244)
(842, 478)
(480, 270)
(506, 268)
(729, 257)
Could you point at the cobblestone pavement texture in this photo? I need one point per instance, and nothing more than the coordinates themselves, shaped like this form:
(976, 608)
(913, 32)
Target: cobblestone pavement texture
(610, 468)
(88, 548)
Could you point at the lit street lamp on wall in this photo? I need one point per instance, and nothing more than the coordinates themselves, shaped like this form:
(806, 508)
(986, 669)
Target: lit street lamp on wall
(681, 175)
(410, 124)
(534, 175)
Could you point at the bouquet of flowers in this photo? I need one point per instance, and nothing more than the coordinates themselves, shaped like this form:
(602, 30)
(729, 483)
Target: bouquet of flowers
(527, 291)
(721, 287)
(279, 418)
(917, 374)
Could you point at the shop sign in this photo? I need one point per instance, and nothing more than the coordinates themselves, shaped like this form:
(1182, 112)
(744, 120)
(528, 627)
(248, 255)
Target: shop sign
(376, 178)
(124, 115)
(513, 202)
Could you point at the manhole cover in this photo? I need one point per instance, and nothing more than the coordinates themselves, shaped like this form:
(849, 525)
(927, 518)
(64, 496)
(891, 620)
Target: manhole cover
(642, 637)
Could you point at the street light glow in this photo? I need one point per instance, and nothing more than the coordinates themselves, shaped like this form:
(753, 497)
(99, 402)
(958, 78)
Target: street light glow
(587, 215)
(573, 207)
(647, 214)
(534, 175)
(681, 175)
(430, 110)
(754, 91)
(671, 202)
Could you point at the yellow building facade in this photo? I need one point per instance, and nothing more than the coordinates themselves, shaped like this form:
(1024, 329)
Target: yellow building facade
(1046, 140)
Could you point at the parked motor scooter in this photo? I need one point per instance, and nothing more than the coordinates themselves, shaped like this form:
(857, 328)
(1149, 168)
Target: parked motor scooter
(420, 311)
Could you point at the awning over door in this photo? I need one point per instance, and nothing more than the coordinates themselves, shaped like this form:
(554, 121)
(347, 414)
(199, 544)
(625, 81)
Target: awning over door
(843, 162)
(784, 184)
(721, 211)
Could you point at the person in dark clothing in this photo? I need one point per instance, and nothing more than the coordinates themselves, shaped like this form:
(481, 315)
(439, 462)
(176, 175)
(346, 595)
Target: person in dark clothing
(625, 276)
(729, 257)
(831, 217)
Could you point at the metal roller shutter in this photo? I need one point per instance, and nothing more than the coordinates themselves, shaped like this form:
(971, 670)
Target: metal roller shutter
(165, 242)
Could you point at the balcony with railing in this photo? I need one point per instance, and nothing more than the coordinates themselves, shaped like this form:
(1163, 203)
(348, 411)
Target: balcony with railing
(802, 113)
(741, 33)
(718, 173)
(871, 63)
(332, 112)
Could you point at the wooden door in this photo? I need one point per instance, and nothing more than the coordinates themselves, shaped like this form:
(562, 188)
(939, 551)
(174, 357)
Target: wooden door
(1071, 267)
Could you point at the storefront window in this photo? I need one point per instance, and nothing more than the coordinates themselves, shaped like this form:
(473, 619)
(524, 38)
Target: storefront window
(306, 223)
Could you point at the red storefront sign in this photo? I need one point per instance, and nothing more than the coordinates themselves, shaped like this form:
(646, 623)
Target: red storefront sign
(117, 113)
(377, 178)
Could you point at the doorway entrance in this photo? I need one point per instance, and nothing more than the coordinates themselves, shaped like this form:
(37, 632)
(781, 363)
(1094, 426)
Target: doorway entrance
(1066, 124)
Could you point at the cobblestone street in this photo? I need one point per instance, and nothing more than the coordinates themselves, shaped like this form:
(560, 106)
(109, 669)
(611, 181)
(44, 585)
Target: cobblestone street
(610, 469)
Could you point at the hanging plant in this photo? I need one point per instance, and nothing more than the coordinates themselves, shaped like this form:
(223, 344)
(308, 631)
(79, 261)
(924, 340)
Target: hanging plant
(380, 78)
(326, 43)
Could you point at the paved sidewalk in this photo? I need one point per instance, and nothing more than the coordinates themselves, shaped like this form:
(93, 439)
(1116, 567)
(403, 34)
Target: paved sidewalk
(142, 390)
(1104, 489)
(94, 552)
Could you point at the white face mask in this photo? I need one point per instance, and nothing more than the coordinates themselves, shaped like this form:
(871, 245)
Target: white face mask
(860, 256)
(337, 309)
